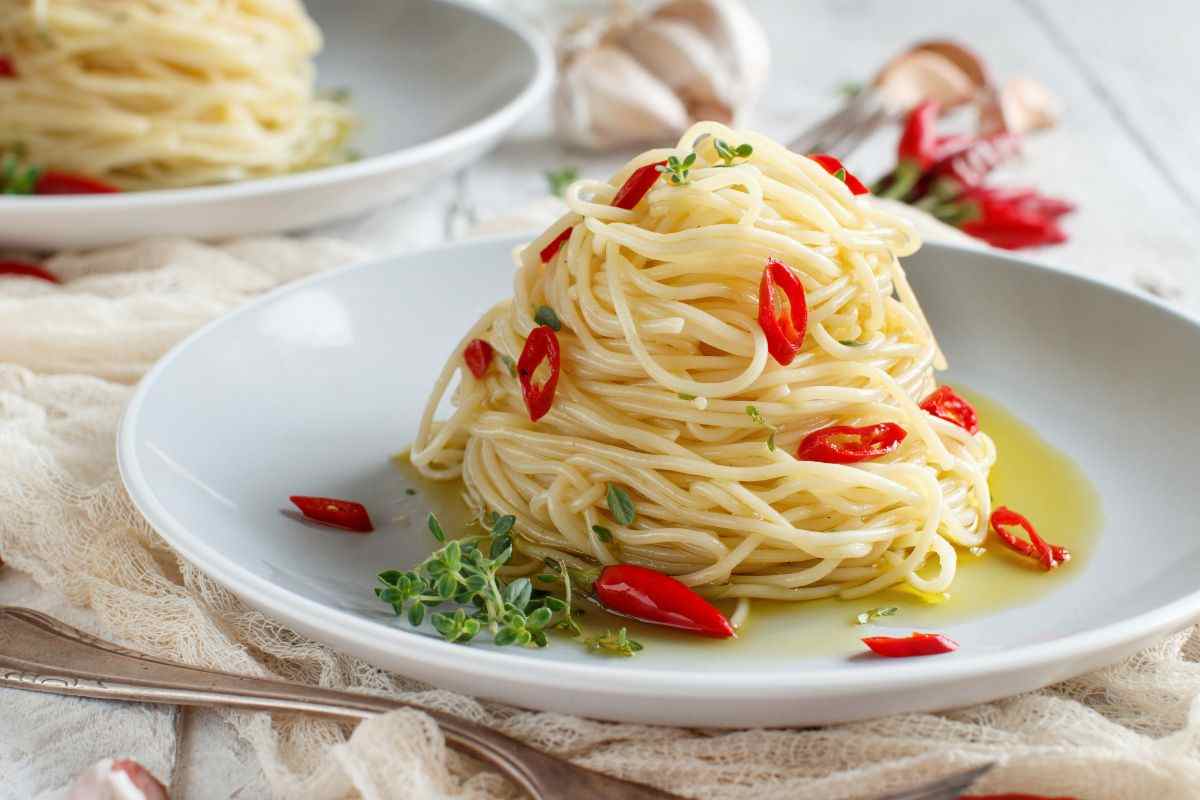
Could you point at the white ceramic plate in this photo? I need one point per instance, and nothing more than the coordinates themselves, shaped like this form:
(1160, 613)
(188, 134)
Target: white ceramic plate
(435, 83)
(311, 389)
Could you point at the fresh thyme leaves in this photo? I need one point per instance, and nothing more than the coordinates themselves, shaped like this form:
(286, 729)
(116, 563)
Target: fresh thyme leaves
(876, 613)
(602, 533)
(560, 179)
(615, 643)
(545, 316)
(676, 170)
(510, 363)
(16, 177)
(459, 574)
(850, 343)
(622, 508)
(758, 419)
(686, 396)
(728, 152)
(410, 492)
(435, 528)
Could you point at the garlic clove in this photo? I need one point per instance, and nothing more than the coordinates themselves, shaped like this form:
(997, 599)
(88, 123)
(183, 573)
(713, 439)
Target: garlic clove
(737, 38)
(962, 57)
(1022, 105)
(606, 99)
(684, 59)
(924, 75)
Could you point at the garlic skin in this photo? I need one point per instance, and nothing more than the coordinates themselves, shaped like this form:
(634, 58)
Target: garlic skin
(1020, 106)
(629, 79)
(934, 70)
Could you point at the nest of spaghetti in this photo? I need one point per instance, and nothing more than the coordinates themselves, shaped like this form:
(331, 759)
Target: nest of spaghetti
(714, 366)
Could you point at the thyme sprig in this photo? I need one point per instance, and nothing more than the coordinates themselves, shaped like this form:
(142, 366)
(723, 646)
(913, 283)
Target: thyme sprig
(728, 153)
(758, 419)
(17, 177)
(461, 591)
(676, 170)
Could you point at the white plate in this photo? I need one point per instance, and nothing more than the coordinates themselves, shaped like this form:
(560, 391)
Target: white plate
(434, 82)
(311, 389)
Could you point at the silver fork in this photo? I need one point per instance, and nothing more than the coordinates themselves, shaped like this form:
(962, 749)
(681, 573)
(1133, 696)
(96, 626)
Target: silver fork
(41, 654)
(843, 131)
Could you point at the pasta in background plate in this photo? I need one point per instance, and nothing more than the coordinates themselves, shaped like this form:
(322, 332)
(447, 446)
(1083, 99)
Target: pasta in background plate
(168, 93)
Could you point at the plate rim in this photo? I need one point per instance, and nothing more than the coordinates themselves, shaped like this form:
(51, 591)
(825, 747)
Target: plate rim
(457, 140)
(619, 679)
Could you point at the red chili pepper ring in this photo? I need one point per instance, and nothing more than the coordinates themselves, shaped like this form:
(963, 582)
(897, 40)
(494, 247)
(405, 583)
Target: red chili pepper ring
(1051, 555)
(947, 404)
(784, 326)
(847, 444)
(542, 345)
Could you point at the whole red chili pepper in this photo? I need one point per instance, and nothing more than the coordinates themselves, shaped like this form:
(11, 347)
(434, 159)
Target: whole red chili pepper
(478, 355)
(846, 444)
(1051, 555)
(636, 185)
(653, 597)
(834, 166)
(947, 404)
(27, 270)
(918, 644)
(918, 142)
(7, 70)
(551, 250)
(337, 513)
(1013, 220)
(970, 164)
(542, 345)
(52, 182)
(783, 326)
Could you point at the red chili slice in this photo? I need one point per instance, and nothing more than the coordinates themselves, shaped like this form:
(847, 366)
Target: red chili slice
(918, 644)
(337, 513)
(784, 327)
(27, 270)
(651, 596)
(636, 186)
(833, 166)
(1051, 555)
(847, 444)
(551, 250)
(947, 404)
(542, 344)
(7, 70)
(52, 182)
(478, 355)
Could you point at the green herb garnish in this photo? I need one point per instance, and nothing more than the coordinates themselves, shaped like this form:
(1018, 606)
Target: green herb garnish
(875, 613)
(728, 152)
(622, 508)
(510, 363)
(560, 179)
(602, 533)
(460, 574)
(850, 343)
(615, 643)
(16, 177)
(757, 417)
(676, 170)
(686, 396)
(545, 316)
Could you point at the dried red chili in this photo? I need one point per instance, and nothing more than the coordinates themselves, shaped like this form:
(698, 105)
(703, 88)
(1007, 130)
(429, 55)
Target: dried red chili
(947, 404)
(344, 514)
(1013, 219)
(7, 70)
(834, 166)
(636, 185)
(478, 355)
(542, 345)
(27, 270)
(783, 320)
(1050, 555)
(918, 644)
(653, 597)
(53, 182)
(551, 250)
(847, 444)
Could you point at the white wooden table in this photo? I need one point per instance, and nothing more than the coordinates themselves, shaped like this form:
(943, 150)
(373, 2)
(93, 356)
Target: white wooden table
(1123, 152)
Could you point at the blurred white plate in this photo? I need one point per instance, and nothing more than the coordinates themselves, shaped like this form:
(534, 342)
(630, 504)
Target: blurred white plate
(311, 389)
(434, 82)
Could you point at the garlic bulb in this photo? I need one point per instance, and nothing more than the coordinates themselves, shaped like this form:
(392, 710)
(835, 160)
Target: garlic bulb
(631, 79)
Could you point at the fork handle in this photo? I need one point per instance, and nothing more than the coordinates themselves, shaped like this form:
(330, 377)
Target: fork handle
(41, 654)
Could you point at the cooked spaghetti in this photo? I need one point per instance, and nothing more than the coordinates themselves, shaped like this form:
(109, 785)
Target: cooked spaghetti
(164, 93)
(667, 390)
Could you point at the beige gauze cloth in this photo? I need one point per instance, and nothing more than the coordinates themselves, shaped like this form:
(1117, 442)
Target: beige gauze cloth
(68, 358)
